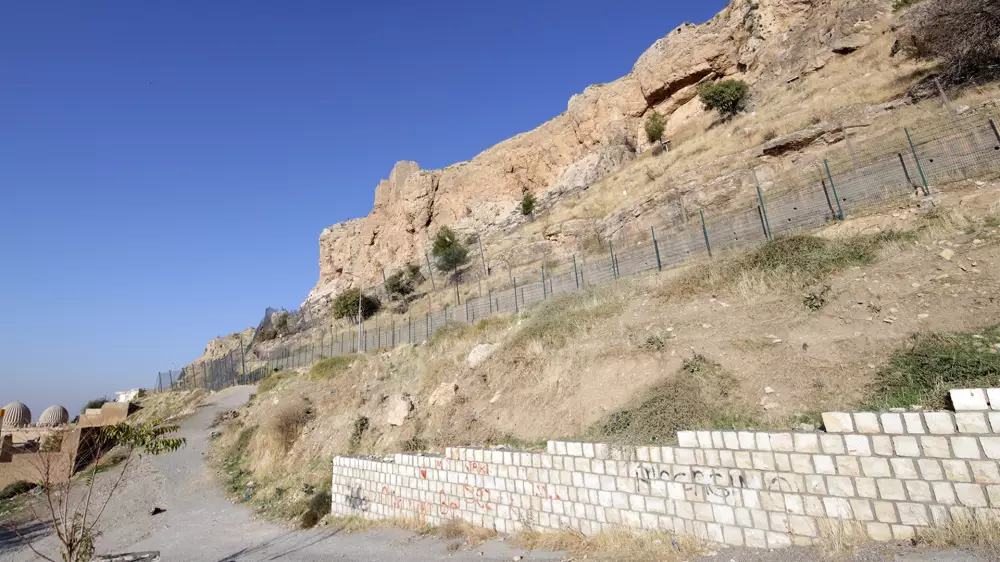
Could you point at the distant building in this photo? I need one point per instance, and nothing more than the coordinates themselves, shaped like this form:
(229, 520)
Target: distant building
(127, 395)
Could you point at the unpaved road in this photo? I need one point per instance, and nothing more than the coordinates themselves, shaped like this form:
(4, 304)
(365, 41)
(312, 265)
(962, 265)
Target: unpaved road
(200, 524)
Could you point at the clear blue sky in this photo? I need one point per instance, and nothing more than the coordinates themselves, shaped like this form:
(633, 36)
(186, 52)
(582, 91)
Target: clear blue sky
(167, 167)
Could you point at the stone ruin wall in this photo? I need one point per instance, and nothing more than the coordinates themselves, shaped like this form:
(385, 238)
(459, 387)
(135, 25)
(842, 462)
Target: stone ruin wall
(888, 474)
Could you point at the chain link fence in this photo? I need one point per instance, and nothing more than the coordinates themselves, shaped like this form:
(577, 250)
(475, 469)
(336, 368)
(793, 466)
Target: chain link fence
(896, 165)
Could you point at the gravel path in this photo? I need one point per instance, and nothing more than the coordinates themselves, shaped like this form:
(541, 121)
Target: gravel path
(200, 524)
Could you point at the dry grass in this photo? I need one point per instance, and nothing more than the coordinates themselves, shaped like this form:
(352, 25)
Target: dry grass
(350, 523)
(168, 405)
(979, 530)
(616, 545)
(839, 538)
(272, 380)
(277, 434)
(454, 529)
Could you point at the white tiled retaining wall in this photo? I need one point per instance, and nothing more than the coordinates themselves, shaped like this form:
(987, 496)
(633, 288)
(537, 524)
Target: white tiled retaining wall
(890, 472)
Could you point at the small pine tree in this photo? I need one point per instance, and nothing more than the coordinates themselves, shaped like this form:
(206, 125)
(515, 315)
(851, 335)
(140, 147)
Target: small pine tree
(449, 252)
(528, 204)
(727, 97)
(654, 127)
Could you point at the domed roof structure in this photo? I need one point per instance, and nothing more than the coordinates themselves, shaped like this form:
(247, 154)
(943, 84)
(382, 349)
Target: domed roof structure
(16, 415)
(53, 416)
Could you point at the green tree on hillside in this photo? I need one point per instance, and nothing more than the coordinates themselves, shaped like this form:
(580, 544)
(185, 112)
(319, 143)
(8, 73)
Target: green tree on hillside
(727, 97)
(654, 127)
(449, 252)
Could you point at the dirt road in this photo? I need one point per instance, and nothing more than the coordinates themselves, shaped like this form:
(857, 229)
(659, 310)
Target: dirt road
(200, 524)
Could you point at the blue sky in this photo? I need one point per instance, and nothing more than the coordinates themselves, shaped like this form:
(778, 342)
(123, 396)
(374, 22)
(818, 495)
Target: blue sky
(166, 168)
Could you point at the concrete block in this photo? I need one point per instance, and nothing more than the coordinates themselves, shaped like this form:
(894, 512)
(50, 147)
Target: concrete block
(991, 446)
(778, 540)
(755, 538)
(589, 451)
(642, 454)
(906, 446)
(743, 459)
(717, 441)
(993, 493)
(940, 423)
(936, 447)
(966, 399)
(715, 533)
(840, 486)
(824, 464)
(763, 441)
(848, 466)
(944, 493)
(914, 423)
(760, 519)
(814, 506)
(971, 422)
(913, 514)
(879, 532)
(971, 495)
(891, 489)
(858, 445)
(724, 514)
(919, 491)
(782, 442)
(782, 462)
(684, 456)
(866, 487)
(939, 515)
(731, 440)
(667, 455)
(885, 512)
(866, 422)
(993, 397)
(956, 471)
(838, 508)
(793, 504)
(762, 460)
(574, 449)
(903, 468)
(875, 467)
(892, 423)
(903, 532)
(862, 510)
(985, 472)
(703, 512)
(994, 418)
(806, 443)
(833, 444)
(747, 441)
(803, 463)
(733, 535)
(802, 526)
(882, 445)
(837, 422)
(727, 459)
(966, 447)
(930, 469)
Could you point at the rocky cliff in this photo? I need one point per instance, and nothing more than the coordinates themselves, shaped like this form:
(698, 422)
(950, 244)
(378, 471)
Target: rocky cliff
(765, 42)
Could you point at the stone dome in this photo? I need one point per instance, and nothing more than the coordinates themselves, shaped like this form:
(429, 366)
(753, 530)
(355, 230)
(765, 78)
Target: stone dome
(53, 416)
(16, 415)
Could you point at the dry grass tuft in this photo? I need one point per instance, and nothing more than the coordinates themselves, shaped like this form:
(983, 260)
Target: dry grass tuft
(553, 323)
(272, 380)
(331, 367)
(699, 396)
(168, 405)
(980, 531)
(621, 544)
(277, 435)
(350, 523)
(458, 529)
(838, 537)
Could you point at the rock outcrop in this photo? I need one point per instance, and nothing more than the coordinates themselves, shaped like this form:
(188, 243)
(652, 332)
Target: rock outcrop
(760, 41)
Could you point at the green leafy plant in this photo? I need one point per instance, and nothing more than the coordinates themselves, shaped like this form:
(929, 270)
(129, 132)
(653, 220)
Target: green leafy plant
(655, 126)
(449, 252)
(346, 305)
(75, 517)
(403, 281)
(528, 203)
(727, 97)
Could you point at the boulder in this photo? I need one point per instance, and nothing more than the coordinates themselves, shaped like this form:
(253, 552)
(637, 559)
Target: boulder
(479, 354)
(443, 394)
(397, 409)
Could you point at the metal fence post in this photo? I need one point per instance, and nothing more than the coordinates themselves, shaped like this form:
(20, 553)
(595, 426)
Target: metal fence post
(545, 293)
(427, 323)
(840, 210)
(906, 172)
(409, 329)
(515, 296)
(763, 211)
(996, 132)
(656, 248)
(920, 168)
(490, 296)
(430, 270)
(611, 249)
(576, 276)
(704, 232)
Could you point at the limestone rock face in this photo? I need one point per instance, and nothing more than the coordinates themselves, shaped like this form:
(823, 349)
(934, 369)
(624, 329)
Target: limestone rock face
(761, 41)
(397, 409)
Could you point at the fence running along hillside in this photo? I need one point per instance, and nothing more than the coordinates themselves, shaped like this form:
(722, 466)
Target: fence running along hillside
(895, 166)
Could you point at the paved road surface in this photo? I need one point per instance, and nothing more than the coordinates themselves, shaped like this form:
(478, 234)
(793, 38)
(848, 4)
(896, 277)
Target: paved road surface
(200, 524)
